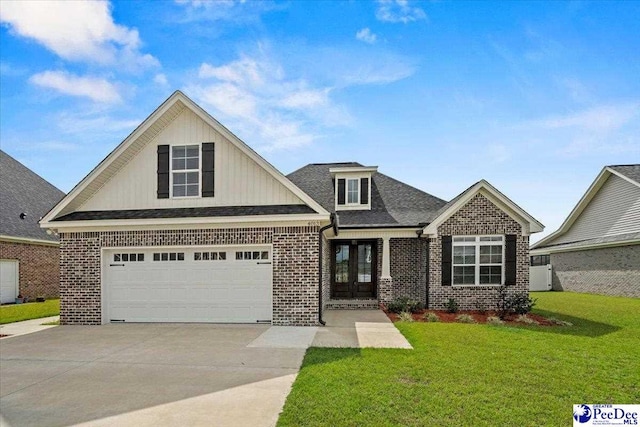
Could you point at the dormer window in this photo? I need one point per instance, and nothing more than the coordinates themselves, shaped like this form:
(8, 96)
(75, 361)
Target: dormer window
(353, 187)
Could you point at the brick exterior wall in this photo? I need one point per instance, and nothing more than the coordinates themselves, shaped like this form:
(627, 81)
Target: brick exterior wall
(607, 271)
(408, 268)
(39, 268)
(479, 216)
(295, 267)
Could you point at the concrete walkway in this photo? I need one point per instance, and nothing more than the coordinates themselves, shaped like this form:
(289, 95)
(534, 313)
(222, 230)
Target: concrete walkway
(27, 327)
(359, 329)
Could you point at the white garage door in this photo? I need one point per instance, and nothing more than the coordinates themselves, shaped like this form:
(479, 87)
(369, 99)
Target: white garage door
(225, 285)
(8, 281)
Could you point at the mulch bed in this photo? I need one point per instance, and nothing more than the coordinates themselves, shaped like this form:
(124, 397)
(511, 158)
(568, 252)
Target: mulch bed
(479, 317)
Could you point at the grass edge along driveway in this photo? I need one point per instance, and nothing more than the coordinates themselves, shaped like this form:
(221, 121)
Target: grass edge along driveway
(479, 375)
(32, 310)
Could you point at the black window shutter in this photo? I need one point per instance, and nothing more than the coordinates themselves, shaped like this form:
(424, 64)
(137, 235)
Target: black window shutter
(510, 255)
(446, 260)
(163, 171)
(208, 164)
(341, 191)
(364, 191)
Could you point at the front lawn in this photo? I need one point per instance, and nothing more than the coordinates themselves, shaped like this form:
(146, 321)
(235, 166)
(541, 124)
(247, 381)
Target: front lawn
(32, 310)
(477, 375)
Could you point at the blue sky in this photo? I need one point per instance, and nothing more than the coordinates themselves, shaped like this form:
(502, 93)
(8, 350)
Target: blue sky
(535, 97)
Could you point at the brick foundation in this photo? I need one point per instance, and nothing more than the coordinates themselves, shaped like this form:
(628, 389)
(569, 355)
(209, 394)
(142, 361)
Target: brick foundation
(39, 270)
(295, 267)
(479, 216)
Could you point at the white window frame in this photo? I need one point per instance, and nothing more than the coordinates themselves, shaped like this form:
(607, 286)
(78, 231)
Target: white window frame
(346, 192)
(357, 205)
(477, 243)
(199, 170)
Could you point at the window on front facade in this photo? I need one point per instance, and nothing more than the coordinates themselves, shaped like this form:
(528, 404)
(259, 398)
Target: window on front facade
(537, 260)
(478, 260)
(353, 191)
(185, 170)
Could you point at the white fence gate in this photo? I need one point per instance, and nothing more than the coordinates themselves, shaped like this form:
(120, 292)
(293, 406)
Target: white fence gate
(540, 278)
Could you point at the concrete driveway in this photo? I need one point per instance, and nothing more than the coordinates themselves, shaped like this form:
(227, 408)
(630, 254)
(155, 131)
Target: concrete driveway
(149, 374)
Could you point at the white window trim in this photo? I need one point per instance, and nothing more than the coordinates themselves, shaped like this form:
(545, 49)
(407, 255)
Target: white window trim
(346, 192)
(477, 244)
(199, 170)
(352, 206)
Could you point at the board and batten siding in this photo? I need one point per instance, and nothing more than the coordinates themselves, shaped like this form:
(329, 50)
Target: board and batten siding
(614, 210)
(239, 181)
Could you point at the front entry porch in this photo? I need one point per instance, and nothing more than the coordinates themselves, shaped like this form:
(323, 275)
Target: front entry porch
(354, 270)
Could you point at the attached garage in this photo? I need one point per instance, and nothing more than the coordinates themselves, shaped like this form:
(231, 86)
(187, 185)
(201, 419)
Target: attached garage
(8, 281)
(188, 284)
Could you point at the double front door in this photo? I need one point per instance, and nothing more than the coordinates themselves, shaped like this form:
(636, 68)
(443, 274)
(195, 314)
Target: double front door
(354, 269)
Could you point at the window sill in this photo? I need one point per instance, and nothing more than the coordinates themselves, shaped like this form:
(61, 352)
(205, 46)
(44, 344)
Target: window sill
(476, 286)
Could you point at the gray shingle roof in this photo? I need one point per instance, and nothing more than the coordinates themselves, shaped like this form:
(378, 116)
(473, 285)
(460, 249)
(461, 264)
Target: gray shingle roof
(630, 171)
(212, 211)
(393, 203)
(588, 242)
(22, 190)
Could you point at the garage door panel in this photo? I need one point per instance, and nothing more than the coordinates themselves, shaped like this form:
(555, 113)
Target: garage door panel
(188, 290)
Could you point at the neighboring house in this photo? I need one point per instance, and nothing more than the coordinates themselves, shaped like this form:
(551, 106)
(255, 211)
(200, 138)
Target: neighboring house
(29, 256)
(183, 222)
(597, 248)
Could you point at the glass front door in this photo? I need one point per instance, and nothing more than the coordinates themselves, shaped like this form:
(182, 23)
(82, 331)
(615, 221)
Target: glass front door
(354, 270)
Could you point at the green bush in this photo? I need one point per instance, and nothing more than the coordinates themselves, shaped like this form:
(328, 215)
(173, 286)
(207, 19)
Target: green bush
(452, 306)
(520, 303)
(401, 304)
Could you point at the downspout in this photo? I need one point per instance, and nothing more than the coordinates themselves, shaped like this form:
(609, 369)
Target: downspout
(333, 225)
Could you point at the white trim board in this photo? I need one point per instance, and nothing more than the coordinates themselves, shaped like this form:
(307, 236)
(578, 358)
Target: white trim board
(529, 224)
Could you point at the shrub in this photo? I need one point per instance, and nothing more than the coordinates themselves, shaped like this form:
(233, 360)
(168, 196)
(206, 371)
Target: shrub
(523, 318)
(431, 317)
(452, 306)
(559, 322)
(401, 304)
(493, 320)
(465, 318)
(520, 303)
(405, 316)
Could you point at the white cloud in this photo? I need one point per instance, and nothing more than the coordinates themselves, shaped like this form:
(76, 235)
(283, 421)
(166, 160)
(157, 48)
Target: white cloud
(234, 11)
(395, 11)
(254, 95)
(161, 79)
(93, 122)
(600, 118)
(77, 31)
(94, 88)
(60, 146)
(366, 36)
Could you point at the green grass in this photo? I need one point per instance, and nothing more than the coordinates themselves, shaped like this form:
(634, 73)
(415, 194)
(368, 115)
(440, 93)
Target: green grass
(32, 310)
(479, 375)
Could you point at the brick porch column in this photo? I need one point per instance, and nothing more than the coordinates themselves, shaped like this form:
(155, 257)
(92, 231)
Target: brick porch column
(385, 291)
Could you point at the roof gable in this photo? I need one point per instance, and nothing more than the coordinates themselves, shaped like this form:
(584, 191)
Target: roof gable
(23, 191)
(85, 195)
(610, 206)
(529, 224)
